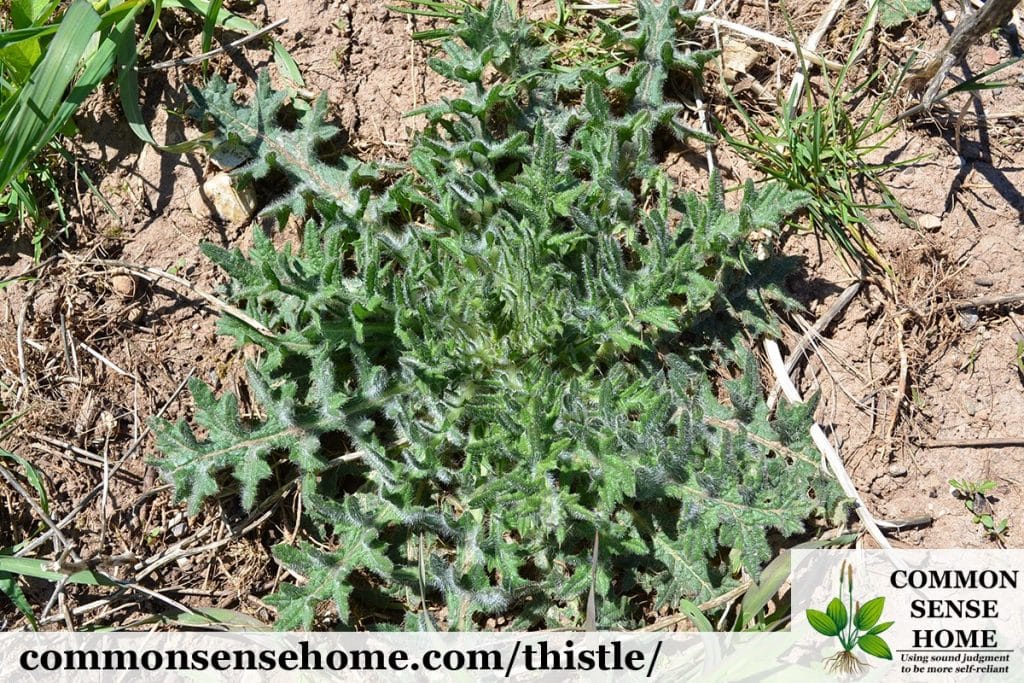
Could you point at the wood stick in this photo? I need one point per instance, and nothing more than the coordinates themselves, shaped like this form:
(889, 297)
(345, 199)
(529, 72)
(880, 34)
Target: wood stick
(797, 86)
(823, 322)
(170, 64)
(785, 45)
(971, 29)
(997, 442)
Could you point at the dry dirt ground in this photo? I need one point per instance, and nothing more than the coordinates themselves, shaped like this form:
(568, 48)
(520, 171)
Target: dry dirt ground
(90, 352)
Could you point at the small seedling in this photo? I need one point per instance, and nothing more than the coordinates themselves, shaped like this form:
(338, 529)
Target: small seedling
(861, 631)
(972, 358)
(976, 499)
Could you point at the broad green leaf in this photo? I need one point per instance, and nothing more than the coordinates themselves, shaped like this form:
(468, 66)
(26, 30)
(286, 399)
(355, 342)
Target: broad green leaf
(881, 628)
(895, 12)
(822, 623)
(836, 611)
(874, 646)
(869, 613)
(26, 13)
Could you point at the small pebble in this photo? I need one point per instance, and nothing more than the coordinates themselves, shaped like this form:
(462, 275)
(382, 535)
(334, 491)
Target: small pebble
(929, 222)
(984, 281)
(124, 285)
(968, 318)
(218, 198)
(897, 470)
(949, 15)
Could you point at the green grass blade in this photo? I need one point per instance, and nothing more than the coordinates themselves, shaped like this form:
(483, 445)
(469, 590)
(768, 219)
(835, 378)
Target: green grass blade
(975, 83)
(30, 566)
(37, 104)
(123, 36)
(210, 23)
(18, 35)
(10, 588)
(223, 17)
(286, 63)
(33, 477)
(157, 7)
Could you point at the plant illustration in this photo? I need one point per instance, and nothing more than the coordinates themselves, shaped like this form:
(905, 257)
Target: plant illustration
(859, 631)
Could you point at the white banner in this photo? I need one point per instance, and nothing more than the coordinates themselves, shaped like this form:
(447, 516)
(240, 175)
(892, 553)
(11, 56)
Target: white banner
(856, 615)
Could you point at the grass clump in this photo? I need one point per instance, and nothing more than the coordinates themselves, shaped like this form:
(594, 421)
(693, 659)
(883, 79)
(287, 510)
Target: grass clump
(496, 368)
(823, 151)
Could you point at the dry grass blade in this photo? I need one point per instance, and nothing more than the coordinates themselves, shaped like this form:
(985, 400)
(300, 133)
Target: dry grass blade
(153, 274)
(808, 337)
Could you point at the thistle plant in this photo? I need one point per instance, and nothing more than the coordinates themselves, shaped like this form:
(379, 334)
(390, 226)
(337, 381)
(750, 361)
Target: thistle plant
(514, 344)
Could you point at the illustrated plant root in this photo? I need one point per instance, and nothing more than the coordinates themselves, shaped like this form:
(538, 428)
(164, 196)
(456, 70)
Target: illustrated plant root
(845, 662)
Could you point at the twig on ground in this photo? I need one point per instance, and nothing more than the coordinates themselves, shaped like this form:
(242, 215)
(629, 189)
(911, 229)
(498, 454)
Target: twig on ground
(96, 490)
(785, 45)
(899, 524)
(85, 457)
(983, 301)
(170, 64)
(710, 605)
(702, 108)
(971, 29)
(107, 362)
(961, 304)
(152, 274)
(799, 76)
(995, 442)
(20, 341)
(37, 510)
(808, 338)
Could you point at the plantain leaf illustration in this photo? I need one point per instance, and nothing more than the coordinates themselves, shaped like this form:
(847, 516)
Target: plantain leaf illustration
(881, 628)
(822, 623)
(869, 614)
(874, 646)
(836, 611)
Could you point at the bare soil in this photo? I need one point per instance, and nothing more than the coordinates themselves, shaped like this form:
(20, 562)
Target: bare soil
(90, 351)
